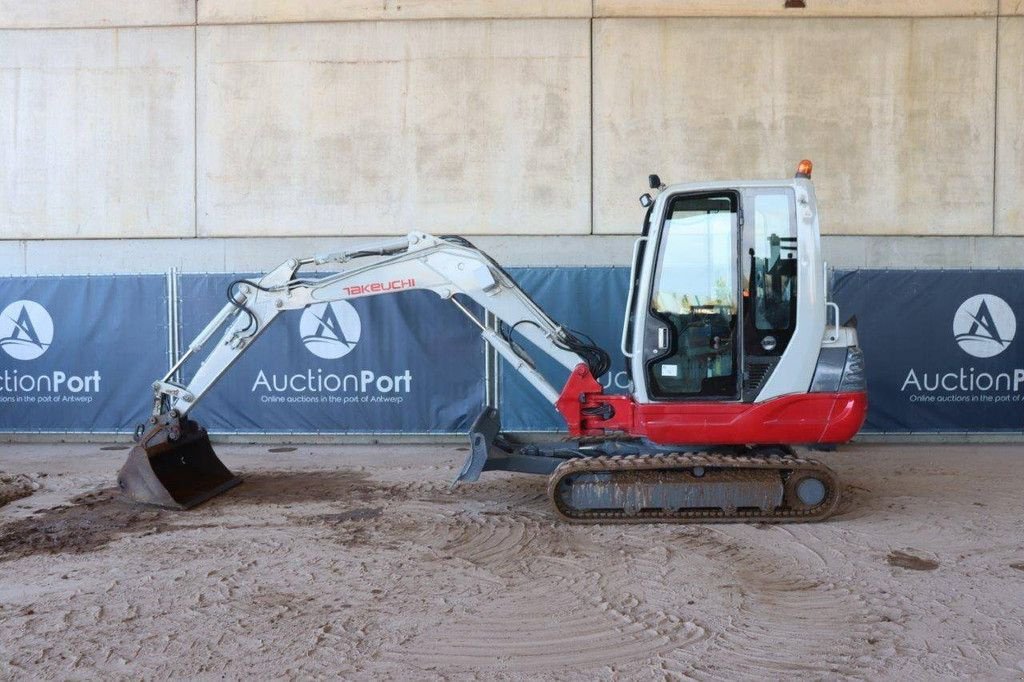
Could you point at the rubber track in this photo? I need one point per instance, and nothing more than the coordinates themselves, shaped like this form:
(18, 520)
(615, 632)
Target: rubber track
(674, 461)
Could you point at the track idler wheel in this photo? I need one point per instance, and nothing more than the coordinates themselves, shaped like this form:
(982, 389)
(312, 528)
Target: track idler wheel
(173, 465)
(806, 490)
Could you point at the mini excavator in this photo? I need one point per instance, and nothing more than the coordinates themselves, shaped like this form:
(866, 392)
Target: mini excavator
(727, 336)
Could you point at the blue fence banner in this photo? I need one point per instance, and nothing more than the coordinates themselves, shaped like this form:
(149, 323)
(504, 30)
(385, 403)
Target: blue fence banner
(408, 362)
(942, 348)
(590, 300)
(80, 353)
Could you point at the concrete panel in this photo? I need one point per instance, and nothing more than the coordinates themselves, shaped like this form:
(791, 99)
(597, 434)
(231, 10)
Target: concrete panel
(265, 11)
(12, 257)
(842, 251)
(126, 256)
(95, 13)
(261, 254)
(1010, 128)
(383, 127)
(920, 252)
(97, 133)
(814, 8)
(897, 115)
(1008, 7)
(517, 251)
(999, 252)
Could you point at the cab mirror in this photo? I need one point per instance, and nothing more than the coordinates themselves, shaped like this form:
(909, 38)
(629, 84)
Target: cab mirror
(646, 200)
(653, 181)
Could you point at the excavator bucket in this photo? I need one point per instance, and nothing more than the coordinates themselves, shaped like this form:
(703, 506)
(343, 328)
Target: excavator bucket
(173, 465)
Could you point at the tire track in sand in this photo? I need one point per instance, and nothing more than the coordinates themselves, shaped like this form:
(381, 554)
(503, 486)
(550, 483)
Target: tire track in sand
(555, 597)
(787, 605)
(541, 610)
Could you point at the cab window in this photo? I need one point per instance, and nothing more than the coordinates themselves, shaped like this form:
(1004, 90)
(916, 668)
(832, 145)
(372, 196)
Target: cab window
(695, 299)
(771, 268)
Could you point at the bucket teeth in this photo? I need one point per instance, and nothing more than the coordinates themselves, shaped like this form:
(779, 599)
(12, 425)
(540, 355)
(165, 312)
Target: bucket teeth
(173, 465)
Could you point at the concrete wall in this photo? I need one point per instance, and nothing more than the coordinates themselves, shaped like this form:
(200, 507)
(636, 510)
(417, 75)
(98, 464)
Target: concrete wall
(898, 114)
(1010, 127)
(97, 133)
(230, 133)
(477, 127)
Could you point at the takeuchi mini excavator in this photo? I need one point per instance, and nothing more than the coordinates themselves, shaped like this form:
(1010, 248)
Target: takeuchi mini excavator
(732, 357)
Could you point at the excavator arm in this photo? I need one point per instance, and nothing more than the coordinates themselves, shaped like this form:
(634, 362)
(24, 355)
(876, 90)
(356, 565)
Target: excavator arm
(173, 463)
(451, 267)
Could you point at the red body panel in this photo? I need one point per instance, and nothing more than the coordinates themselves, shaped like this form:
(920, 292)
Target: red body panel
(803, 418)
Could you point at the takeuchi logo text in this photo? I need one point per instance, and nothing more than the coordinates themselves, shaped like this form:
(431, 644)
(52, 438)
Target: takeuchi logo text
(380, 287)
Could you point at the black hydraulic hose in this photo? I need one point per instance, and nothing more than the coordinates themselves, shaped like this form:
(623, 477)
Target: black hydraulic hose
(596, 358)
(252, 322)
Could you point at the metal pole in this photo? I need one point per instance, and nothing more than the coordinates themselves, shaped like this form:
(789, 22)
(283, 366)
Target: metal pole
(176, 322)
(171, 351)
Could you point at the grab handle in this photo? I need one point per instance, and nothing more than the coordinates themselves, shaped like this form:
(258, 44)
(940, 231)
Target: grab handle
(835, 308)
(629, 299)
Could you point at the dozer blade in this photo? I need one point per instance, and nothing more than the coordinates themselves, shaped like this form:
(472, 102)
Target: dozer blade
(482, 435)
(491, 450)
(173, 465)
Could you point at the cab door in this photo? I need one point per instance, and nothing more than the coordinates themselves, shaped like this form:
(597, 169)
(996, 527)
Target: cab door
(692, 346)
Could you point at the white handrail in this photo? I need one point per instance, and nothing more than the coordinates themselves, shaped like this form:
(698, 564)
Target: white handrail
(835, 307)
(629, 298)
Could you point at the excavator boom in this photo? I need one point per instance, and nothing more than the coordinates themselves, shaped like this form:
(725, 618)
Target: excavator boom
(173, 463)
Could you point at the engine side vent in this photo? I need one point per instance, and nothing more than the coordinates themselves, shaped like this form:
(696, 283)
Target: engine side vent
(755, 374)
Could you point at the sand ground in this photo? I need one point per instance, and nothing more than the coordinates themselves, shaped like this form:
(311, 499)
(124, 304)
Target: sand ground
(359, 562)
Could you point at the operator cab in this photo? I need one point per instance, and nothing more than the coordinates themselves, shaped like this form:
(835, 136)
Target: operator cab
(728, 279)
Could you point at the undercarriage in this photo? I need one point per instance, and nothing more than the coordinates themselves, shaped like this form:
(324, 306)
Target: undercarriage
(626, 479)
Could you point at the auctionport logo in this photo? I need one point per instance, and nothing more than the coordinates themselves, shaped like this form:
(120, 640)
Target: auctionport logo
(26, 330)
(330, 330)
(984, 325)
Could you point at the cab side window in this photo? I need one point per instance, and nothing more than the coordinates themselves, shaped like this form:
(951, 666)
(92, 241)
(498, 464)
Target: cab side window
(770, 271)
